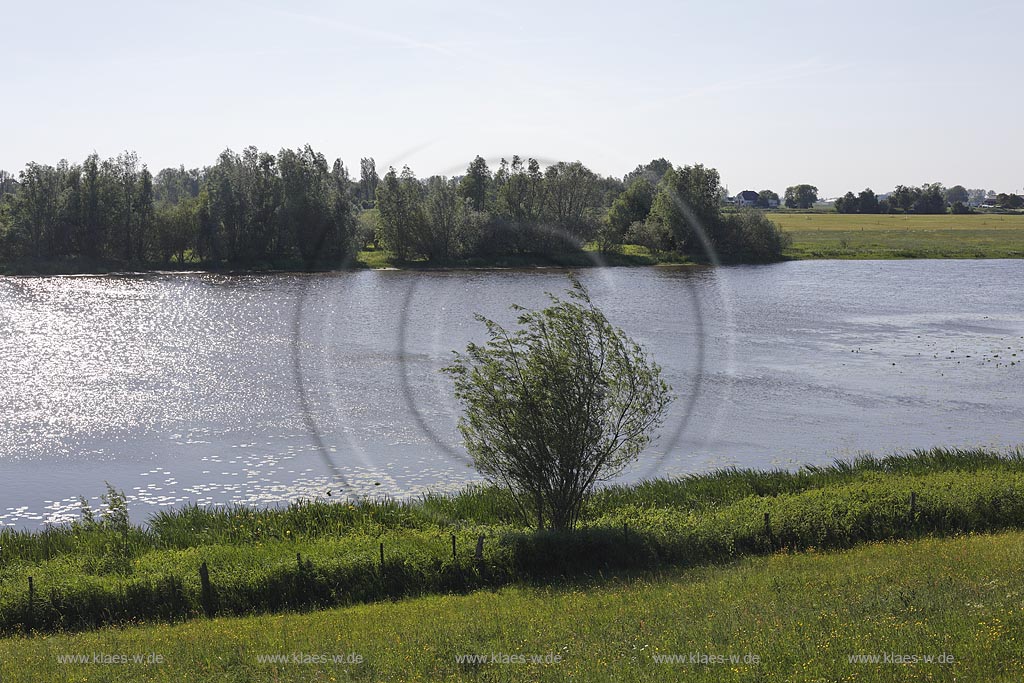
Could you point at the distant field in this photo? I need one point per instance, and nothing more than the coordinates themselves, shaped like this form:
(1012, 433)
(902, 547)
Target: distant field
(801, 616)
(831, 235)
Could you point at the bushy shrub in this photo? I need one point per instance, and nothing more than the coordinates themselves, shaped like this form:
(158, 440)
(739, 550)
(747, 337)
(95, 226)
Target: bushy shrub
(752, 237)
(652, 235)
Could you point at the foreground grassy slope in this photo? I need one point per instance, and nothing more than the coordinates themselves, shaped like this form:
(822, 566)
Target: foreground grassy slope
(802, 615)
(832, 235)
(323, 554)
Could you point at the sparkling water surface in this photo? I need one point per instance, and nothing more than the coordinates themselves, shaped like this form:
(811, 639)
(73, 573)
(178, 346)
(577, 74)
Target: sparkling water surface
(262, 389)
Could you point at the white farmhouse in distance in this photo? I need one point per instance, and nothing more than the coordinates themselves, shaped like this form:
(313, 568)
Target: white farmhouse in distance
(751, 198)
(746, 198)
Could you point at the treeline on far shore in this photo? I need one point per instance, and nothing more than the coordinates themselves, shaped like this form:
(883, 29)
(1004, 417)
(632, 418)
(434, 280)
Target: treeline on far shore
(296, 210)
(928, 199)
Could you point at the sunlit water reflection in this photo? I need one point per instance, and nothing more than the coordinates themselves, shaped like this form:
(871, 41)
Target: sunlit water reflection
(263, 389)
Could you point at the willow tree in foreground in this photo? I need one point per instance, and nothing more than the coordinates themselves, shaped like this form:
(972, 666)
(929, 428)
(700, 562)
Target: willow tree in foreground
(564, 401)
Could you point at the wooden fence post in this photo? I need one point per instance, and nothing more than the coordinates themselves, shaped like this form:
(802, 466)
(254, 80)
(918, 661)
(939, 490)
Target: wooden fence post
(913, 512)
(206, 595)
(455, 559)
(31, 602)
(479, 554)
(300, 579)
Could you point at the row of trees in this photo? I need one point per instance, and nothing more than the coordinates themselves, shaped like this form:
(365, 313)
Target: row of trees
(258, 208)
(930, 198)
(519, 208)
(679, 209)
(1006, 200)
(247, 208)
(865, 201)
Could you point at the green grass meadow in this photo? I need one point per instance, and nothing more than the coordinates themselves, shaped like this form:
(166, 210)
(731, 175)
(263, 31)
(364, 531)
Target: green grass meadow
(801, 615)
(886, 236)
(320, 554)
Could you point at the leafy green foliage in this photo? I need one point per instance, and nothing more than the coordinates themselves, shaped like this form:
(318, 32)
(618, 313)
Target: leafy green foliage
(688, 206)
(315, 210)
(294, 210)
(1010, 201)
(767, 199)
(400, 214)
(630, 207)
(366, 191)
(751, 237)
(246, 209)
(927, 199)
(571, 201)
(475, 186)
(686, 216)
(653, 171)
(563, 402)
(801, 196)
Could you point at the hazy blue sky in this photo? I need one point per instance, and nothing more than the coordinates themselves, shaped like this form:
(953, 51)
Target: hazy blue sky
(840, 95)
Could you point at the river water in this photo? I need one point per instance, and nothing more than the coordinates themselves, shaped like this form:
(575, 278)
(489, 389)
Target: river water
(260, 389)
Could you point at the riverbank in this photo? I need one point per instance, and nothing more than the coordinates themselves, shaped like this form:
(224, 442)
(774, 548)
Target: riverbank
(895, 236)
(629, 255)
(324, 553)
(626, 256)
(784, 617)
(814, 236)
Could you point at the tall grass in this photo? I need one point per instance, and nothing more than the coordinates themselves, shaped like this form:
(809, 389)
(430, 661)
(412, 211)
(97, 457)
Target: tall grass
(317, 553)
(476, 505)
(725, 486)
